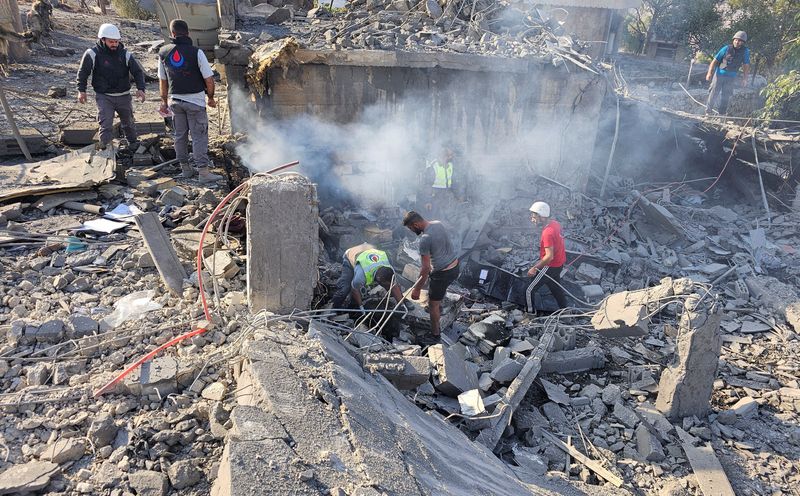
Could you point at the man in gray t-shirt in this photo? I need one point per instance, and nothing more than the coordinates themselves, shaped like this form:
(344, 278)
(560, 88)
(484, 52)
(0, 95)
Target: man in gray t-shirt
(439, 262)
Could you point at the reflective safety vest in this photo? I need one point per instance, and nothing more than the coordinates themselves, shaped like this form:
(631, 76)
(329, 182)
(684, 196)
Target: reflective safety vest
(370, 261)
(444, 175)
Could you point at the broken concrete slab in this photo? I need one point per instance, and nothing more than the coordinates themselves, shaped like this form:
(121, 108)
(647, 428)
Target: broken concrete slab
(621, 315)
(686, 384)
(709, 472)
(221, 264)
(161, 250)
(746, 407)
(405, 372)
(27, 478)
(64, 450)
(572, 361)
(158, 377)
(251, 423)
(453, 377)
(282, 243)
(77, 170)
(659, 215)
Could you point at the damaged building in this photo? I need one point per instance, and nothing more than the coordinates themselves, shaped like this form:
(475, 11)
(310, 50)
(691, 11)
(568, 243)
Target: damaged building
(161, 336)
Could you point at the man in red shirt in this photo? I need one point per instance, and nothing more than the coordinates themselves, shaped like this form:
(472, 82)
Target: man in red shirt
(552, 257)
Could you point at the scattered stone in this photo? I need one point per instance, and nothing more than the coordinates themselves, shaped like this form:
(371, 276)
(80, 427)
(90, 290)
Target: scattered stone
(648, 445)
(184, 473)
(746, 407)
(149, 483)
(102, 431)
(471, 403)
(506, 371)
(64, 450)
(214, 391)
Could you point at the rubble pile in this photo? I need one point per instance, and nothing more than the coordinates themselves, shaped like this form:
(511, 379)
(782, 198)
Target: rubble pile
(482, 27)
(82, 298)
(633, 382)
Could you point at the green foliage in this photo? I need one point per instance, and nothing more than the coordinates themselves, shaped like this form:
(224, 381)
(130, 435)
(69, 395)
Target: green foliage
(783, 97)
(130, 9)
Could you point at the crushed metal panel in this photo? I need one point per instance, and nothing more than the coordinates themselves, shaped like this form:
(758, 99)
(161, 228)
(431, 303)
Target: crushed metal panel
(81, 169)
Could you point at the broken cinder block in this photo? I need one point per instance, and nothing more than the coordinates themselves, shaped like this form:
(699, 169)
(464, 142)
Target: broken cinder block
(453, 377)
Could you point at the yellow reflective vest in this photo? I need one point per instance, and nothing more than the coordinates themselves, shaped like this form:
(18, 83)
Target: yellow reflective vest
(443, 178)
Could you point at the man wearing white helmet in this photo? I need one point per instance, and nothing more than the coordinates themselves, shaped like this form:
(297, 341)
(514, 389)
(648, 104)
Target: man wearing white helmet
(552, 256)
(724, 71)
(111, 67)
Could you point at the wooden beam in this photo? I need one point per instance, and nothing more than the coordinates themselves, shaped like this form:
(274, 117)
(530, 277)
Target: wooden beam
(160, 247)
(591, 464)
(709, 472)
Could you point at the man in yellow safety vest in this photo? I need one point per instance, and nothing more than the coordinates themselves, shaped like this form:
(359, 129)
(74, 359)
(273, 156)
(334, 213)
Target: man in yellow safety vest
(441, 193)
(363, 266)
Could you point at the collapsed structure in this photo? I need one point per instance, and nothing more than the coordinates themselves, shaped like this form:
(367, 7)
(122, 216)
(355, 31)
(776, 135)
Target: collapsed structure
(180, 343)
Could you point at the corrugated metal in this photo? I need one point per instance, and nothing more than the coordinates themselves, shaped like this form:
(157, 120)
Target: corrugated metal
(597, 4)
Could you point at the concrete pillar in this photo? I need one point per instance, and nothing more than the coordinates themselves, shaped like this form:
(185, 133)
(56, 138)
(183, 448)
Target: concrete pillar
(282, 243)
(686, 385)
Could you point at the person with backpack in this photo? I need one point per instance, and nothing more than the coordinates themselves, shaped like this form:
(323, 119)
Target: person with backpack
(111, 67)
(724, 72)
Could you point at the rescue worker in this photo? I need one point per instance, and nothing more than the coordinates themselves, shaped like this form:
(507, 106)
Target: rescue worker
(439, 263)
(552, 256)
(111, 67)
(363, 266)
(185, 81)
(442, 195)
(724, 72)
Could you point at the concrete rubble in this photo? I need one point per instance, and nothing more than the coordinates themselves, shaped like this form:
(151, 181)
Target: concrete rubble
(675, 372)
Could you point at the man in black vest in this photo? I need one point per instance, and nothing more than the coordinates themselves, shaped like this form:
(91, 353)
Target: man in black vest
(186, 79)
(111, 67)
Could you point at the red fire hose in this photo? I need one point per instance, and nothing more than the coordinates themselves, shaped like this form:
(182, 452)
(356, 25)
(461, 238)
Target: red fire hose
(207, 313)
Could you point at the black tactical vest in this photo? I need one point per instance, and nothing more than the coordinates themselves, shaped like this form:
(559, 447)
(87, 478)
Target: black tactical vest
(180, 62)
(110, 73)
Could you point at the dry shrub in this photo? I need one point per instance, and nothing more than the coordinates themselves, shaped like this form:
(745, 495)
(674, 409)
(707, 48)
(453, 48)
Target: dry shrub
(130, 9)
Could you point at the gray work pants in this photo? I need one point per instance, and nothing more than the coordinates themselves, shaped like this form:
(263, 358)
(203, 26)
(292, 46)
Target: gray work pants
(719, 94)
(107, 105)
(190, 119)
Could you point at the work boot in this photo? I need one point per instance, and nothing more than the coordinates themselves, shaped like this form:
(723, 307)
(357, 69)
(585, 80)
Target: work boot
(206, 176)
(187, 171)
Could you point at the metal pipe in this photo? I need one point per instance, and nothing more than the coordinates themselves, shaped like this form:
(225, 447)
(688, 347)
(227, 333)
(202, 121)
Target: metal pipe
(84, 207)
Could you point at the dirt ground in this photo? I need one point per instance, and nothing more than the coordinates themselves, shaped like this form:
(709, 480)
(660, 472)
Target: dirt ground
(28, 83)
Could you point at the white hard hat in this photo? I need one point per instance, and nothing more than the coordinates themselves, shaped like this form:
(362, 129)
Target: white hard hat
(541, 208)
(109, 31)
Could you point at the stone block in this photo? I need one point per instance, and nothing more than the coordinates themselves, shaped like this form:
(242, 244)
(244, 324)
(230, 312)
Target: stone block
(592, 291)
(506, 371)
(625, 415)
(648, 445)
(79, 326)
(51, 331)
(148, 483)
(282, 243)
(79, 133)
(572, 361)
(452, 376)
(471, 403)
(405, 372)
